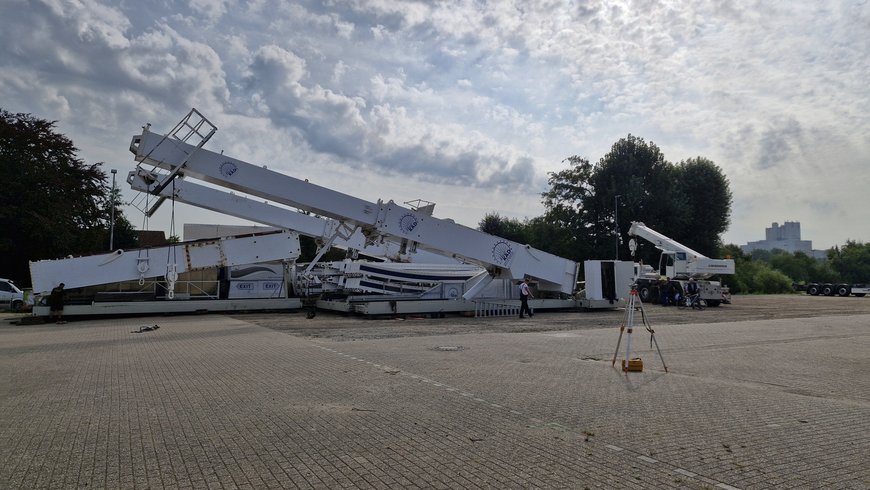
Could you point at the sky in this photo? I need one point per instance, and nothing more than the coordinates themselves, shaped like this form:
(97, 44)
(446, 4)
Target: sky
(468, 104)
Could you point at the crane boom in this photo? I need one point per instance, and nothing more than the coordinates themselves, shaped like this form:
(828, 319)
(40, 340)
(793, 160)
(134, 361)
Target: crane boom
(326, 230)
(678, 260)
(660, 241)
(121, 265)
(503, 258)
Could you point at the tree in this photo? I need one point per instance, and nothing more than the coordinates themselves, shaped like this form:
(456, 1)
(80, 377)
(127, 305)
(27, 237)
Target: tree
(689, 202)
(570, 206)
(797, 266)
(703, 197)
(53, 204)
(638, 173)
(851, 261)
(509, 228)
(752, 275)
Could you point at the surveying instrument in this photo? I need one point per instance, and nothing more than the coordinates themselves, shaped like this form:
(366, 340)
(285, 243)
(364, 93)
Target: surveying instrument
(635, 305)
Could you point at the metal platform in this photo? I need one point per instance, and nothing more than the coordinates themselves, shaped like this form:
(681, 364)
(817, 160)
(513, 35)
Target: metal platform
(174, 307)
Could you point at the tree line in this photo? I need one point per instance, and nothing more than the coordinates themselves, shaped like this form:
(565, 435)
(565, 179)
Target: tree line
(778, 271)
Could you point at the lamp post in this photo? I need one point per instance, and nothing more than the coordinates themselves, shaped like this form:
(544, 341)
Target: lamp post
(112, 223)
(616, 222)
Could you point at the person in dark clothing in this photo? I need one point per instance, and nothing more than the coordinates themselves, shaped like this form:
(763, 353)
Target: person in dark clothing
(692, 291)
(525, 294)
(663, 292)
(55, 303)
(675, 291)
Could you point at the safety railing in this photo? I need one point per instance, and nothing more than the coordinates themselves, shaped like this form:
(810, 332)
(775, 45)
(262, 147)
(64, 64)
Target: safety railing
(483, 309)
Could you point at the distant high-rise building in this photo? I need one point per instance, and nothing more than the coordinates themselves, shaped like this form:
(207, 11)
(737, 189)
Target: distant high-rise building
(786, 237)
(790, 230)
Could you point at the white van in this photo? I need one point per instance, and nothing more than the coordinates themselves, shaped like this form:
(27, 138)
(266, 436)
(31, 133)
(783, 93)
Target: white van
(11, 296)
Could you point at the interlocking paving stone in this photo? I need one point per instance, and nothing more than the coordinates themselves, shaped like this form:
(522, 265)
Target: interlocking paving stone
(216, 402)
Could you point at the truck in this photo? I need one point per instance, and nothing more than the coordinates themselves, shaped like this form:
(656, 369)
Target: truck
(837, 289)
(679, 263)
(11, 296)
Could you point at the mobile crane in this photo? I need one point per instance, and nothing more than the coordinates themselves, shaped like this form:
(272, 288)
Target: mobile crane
(679, 263)
(411, 229)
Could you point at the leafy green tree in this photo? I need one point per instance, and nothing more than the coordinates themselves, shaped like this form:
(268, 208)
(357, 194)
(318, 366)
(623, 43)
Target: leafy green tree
(551, 238)
(851, 261)
(637, 172)
(570, 206)
(771, 281)
(744, 267)
(703, 196)
(53, 204)
(798, 266)
(689, 202)
(509, 228)
(762, 255)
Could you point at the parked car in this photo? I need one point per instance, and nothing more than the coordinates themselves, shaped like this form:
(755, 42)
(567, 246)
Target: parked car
(11, 296)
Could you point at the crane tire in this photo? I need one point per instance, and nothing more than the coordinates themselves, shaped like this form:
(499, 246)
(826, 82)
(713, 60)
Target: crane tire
(644, 294)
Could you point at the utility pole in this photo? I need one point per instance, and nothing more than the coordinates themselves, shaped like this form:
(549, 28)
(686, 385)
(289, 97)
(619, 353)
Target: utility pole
(112, 223)
(616, 222)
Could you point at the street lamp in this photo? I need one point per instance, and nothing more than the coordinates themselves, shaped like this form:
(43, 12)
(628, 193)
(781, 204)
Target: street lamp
(112, 223)
(616, 222)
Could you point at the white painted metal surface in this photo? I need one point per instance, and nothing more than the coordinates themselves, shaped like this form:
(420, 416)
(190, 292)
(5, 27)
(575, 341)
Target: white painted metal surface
(503, 257)
(682, 261)
(349, 238)
(130, 265)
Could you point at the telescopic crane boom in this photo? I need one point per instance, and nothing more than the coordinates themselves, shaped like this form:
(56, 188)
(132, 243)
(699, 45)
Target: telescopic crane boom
(415, 227)
(324, 230)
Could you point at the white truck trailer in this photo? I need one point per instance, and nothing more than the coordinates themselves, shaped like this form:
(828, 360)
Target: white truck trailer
(837, 289)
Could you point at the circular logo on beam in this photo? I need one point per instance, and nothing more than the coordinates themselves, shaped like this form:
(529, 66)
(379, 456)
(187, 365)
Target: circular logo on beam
(407, 223)
(228, 169)
(502, 252)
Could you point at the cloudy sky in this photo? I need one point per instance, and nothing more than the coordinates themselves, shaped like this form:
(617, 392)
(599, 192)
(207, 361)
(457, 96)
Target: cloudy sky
(469, 104)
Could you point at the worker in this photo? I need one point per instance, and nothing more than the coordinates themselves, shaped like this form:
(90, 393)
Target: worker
(691, 291)
(525, 294)
(55, 303)
(663, 291)
(675, 292)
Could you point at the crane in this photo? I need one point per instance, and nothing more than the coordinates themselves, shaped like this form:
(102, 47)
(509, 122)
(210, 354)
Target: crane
(680, 263)
(413, 228)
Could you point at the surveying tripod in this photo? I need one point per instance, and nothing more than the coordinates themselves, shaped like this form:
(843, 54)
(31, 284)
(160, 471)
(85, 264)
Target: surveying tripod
(635, 305)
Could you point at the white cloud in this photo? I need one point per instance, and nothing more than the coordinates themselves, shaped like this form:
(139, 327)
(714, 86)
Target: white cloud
(472, 99)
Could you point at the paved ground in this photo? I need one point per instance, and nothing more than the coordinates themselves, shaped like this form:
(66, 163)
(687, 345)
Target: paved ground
(278, 401)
